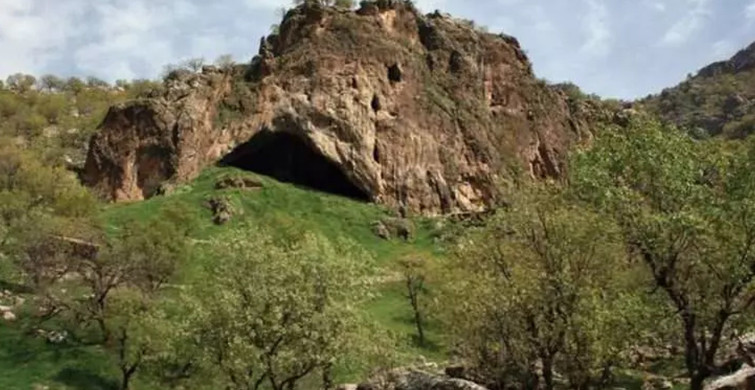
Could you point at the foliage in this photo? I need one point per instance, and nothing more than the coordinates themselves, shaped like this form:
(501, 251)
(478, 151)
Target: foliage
(685, 209)
(709, 104)
(286, 311)
(56, 115)
(35, 197)
(543, 283)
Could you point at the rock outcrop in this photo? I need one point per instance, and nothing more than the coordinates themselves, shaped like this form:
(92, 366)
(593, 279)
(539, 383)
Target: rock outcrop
(415, 379)
(744, 379)
(423, 113)
(717, 101)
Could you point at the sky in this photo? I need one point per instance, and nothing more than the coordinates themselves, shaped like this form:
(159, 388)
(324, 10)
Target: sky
(615, 48)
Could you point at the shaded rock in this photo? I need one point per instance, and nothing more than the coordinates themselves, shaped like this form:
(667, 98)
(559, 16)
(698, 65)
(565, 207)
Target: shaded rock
(9, 316)
(657, 383)
(744, 379)
(381, 230)
(737, 352)
(412, 379)
(222, 210)
(239, 182)
(389, 228)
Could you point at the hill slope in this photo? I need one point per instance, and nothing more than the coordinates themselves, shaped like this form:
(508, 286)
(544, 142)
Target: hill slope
(279, 209)
(718, 100)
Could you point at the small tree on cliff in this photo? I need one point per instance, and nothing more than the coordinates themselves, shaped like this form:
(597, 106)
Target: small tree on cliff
(686, 209)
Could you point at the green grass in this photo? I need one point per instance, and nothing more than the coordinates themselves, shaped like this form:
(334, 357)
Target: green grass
(277, 208)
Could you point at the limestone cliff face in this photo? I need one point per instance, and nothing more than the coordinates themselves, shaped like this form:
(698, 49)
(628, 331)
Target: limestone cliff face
(422, 113)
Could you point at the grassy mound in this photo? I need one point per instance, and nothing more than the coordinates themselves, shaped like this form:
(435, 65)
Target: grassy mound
(280, 209)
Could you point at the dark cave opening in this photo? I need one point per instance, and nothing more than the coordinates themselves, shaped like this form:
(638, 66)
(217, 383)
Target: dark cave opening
(289, 159)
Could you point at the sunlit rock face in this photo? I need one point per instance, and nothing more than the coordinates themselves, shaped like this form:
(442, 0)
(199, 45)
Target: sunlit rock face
(420, 113)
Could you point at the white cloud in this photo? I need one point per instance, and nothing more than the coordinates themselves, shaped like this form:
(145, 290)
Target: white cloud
(595, 24)
(130, 34)
(684, 28)
(750, 11)
(657, 5)
(32, 35)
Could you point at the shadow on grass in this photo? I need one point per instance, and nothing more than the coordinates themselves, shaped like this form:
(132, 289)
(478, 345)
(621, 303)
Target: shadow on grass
(15, 288)
(427, 345)
(84, 380)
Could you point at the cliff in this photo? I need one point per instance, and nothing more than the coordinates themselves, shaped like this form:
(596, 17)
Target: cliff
(422, 113)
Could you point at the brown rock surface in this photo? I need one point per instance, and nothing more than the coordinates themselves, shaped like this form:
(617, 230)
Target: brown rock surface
(422, 113)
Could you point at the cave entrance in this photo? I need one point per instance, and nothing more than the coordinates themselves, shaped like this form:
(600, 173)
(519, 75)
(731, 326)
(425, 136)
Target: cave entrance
(289, 159)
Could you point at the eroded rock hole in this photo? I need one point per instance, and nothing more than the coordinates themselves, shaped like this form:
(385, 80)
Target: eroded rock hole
(394, 73)
(375, 104)
(288, 158)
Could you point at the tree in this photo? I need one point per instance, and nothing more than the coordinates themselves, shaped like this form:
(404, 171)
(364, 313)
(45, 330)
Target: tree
(414, 270)
(285, 311)
(75, 85)
(33, 194)
(119, 284)
(20, 82)
(539, 290)
(194, 64)
(685, 209)
(224, 61)
(51, 82)
(94, 82)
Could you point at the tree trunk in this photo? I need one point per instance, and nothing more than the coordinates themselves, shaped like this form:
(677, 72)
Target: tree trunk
(420, 327)
(696, 382)
(126, 375)
(414, 291)
(548, 372)
(327, 377)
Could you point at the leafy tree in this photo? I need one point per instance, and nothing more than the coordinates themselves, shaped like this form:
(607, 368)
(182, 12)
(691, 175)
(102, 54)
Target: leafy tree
(414, 270)
(94, 82)
(224, 61)
(51, 82)
(193, 64)
(20, 82)
(52, 107)
(686, 210)
(285, 311)
(75, 85)
(540, 289)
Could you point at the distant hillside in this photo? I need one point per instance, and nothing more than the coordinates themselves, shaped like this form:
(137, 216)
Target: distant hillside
(719, 100)
(57, 116)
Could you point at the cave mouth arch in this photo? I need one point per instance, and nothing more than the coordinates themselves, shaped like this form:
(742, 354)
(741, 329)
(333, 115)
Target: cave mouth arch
(287, 158)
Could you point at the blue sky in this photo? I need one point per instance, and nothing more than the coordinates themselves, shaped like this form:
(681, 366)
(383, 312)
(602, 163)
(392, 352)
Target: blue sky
(616, 48)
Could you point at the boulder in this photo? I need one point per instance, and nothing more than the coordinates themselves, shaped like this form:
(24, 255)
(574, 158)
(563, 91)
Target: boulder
(237, 182)
(744, 379)
(657, 383)
(414, 379)
(738, 351)
(389, 228)
(222, 210)
(9, 316)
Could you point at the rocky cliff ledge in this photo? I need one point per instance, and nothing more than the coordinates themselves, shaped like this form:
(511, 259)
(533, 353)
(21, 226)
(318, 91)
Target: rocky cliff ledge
(418, 112)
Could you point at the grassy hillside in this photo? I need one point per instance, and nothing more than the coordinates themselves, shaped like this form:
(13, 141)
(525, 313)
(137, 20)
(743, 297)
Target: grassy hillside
(280, 209)
(718, 100)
